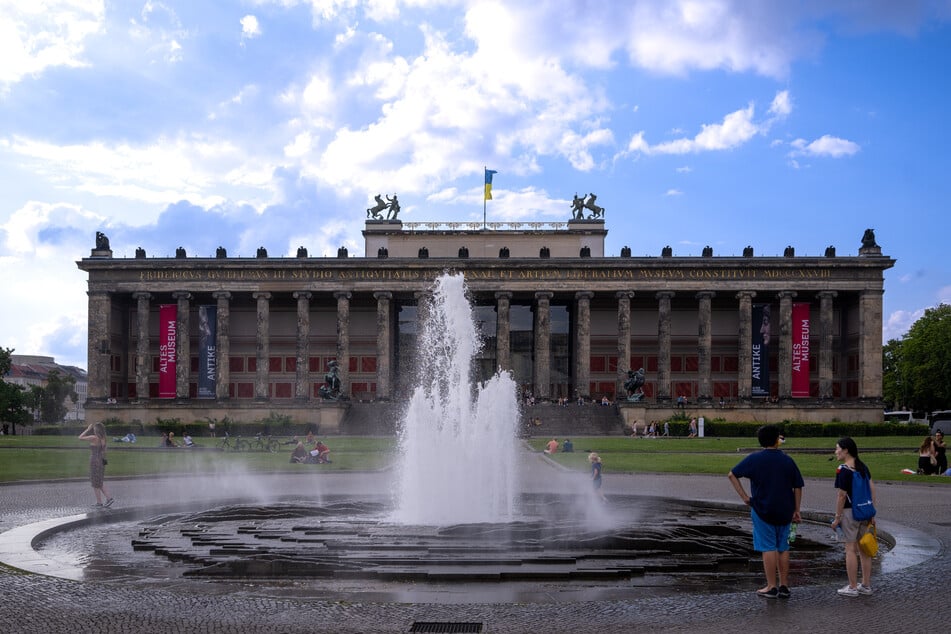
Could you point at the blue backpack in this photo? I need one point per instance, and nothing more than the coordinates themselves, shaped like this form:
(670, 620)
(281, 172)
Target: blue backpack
(862, 507)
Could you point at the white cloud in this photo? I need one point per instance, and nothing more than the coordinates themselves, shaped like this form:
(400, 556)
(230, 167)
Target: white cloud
(36, 36)
(250, 28)
(686, 169)
(899, 322)
(673, 192)
(825, 145)
(782, 104)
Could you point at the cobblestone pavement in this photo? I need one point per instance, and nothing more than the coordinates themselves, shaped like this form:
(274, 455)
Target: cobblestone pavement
(907, 599)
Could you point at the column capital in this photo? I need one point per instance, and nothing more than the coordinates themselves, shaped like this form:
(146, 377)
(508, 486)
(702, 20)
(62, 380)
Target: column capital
(378, 295)
(786, 294)
(342, 294)
(142, 295)
(705, 295)
(261, 295)
(827, 294)
(302, 294)
(182, 295)
(544, 295)
(584, 295)
(221, 294)
(664, 295)
(746, 294)
(503, 295)
(624, 295)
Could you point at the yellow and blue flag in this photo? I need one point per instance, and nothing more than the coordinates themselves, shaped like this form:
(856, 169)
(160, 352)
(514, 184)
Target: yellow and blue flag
(488, 183)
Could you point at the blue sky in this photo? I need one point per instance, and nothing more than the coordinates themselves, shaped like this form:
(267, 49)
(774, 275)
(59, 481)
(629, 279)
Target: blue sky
(274, 122)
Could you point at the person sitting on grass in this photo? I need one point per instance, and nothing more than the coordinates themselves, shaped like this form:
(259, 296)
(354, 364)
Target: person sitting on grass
(320, 453)
(299, 455)
(187, 439)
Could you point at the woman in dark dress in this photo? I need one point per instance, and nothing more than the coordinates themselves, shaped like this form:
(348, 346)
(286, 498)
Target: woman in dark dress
(940, 452)
(95, 433)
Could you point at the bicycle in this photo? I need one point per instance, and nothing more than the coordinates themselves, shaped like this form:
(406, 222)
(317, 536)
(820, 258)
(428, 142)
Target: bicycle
(263, 443)
(232, 443)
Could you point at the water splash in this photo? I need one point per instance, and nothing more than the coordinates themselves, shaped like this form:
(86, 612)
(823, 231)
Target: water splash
(457, 440)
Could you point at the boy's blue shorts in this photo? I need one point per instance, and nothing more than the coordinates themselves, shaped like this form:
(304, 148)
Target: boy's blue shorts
(769, 537)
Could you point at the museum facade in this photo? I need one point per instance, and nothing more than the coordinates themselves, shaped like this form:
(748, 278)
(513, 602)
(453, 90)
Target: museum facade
(751, 337)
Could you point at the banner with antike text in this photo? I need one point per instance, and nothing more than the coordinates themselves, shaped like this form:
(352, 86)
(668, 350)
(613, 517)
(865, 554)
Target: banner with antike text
(168, 338)
(207, 350)
(760, 352)
(800, 350)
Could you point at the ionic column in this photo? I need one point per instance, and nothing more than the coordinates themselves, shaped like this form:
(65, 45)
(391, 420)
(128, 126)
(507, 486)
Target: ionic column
(302, 373)
(263, 342)
(183, 344)
(870, 344)
(583, 342)
(542, 369)
(704, 342)
(663, 343)
(503, 329)
(384, 344)
(98, 344)
(744, 379)
(343, 340)
(825, 343)
(223, 343)
(142, 310)
(785, 344)
(623, 340)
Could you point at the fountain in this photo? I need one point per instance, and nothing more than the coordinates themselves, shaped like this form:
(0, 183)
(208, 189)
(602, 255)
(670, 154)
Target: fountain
(458, 440)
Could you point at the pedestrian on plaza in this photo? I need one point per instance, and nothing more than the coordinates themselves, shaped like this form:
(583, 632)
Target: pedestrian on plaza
(693, 428)
(774, 500)
(940, 451)
(95, 434)
(666, 428)
(552, 446)
(847, 453)
(927, 457)
(596, 468)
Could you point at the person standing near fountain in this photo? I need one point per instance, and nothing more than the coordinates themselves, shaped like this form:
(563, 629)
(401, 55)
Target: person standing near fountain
(776, 486)
(596, 465)
(95, 433)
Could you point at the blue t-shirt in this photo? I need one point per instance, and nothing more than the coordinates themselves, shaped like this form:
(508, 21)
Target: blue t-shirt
(773, 475)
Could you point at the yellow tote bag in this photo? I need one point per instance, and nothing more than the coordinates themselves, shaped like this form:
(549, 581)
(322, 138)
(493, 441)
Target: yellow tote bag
(869, 542)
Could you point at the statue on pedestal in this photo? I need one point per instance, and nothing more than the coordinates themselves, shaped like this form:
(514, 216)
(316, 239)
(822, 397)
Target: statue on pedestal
(635, 385)
(102, 241)
(331, 390)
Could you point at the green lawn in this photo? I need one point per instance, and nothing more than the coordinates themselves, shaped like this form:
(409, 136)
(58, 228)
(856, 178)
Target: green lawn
(50, 457)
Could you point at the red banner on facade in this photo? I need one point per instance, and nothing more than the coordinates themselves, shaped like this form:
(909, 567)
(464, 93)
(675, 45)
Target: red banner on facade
(168, 338)
(800, 350)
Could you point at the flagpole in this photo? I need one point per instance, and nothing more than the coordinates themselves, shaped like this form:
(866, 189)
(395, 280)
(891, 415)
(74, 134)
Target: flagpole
(484, 168)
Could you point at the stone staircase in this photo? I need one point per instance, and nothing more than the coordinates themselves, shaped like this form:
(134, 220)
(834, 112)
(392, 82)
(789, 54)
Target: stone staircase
(382, 419)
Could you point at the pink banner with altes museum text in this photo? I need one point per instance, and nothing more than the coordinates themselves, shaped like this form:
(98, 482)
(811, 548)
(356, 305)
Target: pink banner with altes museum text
(800, 350)
(168, 338)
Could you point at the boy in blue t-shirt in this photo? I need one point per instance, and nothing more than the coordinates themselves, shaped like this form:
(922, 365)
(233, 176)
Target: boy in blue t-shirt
(776, 493)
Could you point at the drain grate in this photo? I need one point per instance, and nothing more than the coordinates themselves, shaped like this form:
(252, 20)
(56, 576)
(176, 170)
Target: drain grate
(446, 627)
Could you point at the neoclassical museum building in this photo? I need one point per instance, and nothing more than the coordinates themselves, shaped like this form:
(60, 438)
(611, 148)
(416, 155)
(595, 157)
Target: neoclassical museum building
(739, 337)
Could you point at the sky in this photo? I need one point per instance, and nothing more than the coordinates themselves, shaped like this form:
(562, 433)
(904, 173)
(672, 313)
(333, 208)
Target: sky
(275, 122)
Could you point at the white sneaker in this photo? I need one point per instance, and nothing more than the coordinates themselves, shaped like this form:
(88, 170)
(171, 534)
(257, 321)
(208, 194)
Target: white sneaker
(846, 591)
(864, 589)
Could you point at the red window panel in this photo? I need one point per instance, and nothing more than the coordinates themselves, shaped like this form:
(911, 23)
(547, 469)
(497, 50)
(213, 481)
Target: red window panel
(313, 364)
(731, 364)
(649, 389)
(691, 363)
(290, 364)
(714, 364)
(132, 390)
(676, 363)
(114, 390)
(192, 390)
(814, 389)
(275, 364)
(637, 362)
(155, 363)
(245, 390)
(852, 389)
(598, 364)
(353, 364)
(193, 364)
(153, 390)
(651, 364)
(605, 388)
(723, 389)
(231, 389)
(315, 389)
(283, 390)
(236, 364)
(368, 364)
(252, 364)
(612, 364)
(684, 388)
(836, 390)
(357, 388)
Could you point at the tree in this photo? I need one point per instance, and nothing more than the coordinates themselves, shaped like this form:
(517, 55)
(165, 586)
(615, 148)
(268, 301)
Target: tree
(917, 370)
(52, 398)
(13, 407)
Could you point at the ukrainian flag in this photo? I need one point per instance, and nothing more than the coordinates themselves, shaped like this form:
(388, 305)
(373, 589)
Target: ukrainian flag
(488, 183)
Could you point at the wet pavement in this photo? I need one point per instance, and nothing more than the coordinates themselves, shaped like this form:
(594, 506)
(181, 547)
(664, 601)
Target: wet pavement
(909, 579)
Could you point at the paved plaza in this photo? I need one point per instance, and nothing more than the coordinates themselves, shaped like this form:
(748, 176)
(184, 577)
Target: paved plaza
(910, 582)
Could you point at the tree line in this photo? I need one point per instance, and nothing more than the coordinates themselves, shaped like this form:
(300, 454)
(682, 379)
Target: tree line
(916, 369)
(20, 406)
